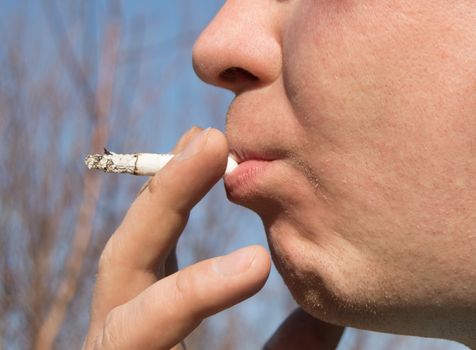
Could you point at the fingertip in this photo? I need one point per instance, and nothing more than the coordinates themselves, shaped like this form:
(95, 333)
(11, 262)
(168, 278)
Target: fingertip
(196, 292)
(261, 264)
(248, 266)
(218, 137)
(192, 172)
(186, 138)
(241, 261)
(217, 148)
(259, 270)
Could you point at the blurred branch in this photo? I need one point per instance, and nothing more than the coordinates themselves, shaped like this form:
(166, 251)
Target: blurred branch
(64, 47)
(91, 185)
(136, 54)
(67, 84)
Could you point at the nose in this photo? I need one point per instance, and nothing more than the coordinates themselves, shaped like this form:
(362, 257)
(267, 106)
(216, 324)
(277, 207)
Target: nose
(241, 48)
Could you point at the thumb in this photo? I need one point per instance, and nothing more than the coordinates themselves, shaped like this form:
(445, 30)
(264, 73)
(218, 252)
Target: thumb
(166, 312)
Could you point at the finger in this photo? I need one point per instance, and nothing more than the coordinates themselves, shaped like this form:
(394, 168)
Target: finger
(302, 331)
(158, 215)
(155, 220)
(170, 309)
(171, 264)
(184, 140)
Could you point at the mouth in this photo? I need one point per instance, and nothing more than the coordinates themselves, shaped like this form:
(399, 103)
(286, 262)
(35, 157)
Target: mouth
(248, 176)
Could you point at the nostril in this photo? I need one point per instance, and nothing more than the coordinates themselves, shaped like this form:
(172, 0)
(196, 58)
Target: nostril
(237, 75)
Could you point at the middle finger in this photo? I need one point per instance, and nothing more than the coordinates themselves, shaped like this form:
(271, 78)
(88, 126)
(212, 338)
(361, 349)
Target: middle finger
(155, 220)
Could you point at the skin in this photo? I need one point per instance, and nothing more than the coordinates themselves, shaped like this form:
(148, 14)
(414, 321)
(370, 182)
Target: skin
(140, 302)
(368, 109)
(140, 299)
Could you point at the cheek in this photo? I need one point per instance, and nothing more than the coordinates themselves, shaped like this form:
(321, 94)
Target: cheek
(358, 70)
(329, 74)
(389, 150)
(389, 110)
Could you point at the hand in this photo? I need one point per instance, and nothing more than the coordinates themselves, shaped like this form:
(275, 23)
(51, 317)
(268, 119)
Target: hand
(135, 305)
(302, 331)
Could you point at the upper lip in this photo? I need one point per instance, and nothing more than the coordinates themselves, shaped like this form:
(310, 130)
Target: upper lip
(243, 154)
(255, 141)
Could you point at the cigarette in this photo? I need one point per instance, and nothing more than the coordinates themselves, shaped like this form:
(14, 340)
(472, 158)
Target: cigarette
(146, 164)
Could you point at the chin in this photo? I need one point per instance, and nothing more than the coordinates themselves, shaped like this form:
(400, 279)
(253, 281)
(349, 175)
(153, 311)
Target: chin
(326, 278)
(301, 265)
(325, 297)
(335, 284)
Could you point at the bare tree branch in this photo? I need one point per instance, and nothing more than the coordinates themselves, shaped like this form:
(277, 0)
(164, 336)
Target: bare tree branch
(91, 186)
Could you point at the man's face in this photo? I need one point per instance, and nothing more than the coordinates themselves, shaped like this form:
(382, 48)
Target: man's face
(367, 110)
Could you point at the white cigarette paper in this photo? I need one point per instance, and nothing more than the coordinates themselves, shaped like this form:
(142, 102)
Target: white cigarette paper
(146, 164)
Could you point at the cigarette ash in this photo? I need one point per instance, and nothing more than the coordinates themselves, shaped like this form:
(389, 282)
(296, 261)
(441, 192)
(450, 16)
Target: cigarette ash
(111, 162)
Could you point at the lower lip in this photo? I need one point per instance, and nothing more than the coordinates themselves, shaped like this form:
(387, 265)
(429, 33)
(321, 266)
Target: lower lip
(243, 180)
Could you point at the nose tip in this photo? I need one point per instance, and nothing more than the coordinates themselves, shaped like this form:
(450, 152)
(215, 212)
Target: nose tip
(238, 50)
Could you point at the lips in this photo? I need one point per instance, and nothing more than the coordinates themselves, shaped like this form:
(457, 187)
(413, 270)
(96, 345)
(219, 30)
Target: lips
(246, 178)
(243, 179)
(242, 155)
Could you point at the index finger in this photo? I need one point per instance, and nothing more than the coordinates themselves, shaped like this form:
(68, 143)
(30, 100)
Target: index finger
(159, 214)
(155, 220)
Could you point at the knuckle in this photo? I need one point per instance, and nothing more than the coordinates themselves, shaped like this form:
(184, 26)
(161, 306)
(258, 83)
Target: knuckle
(156, 184)
(185, 282)
(188, 290)
(108, 339)
(159, 188)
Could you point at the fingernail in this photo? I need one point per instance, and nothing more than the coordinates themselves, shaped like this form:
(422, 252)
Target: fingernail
(194, 146)
(236, 262)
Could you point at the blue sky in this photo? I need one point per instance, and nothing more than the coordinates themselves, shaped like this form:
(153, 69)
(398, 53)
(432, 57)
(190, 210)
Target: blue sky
(165, 24)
